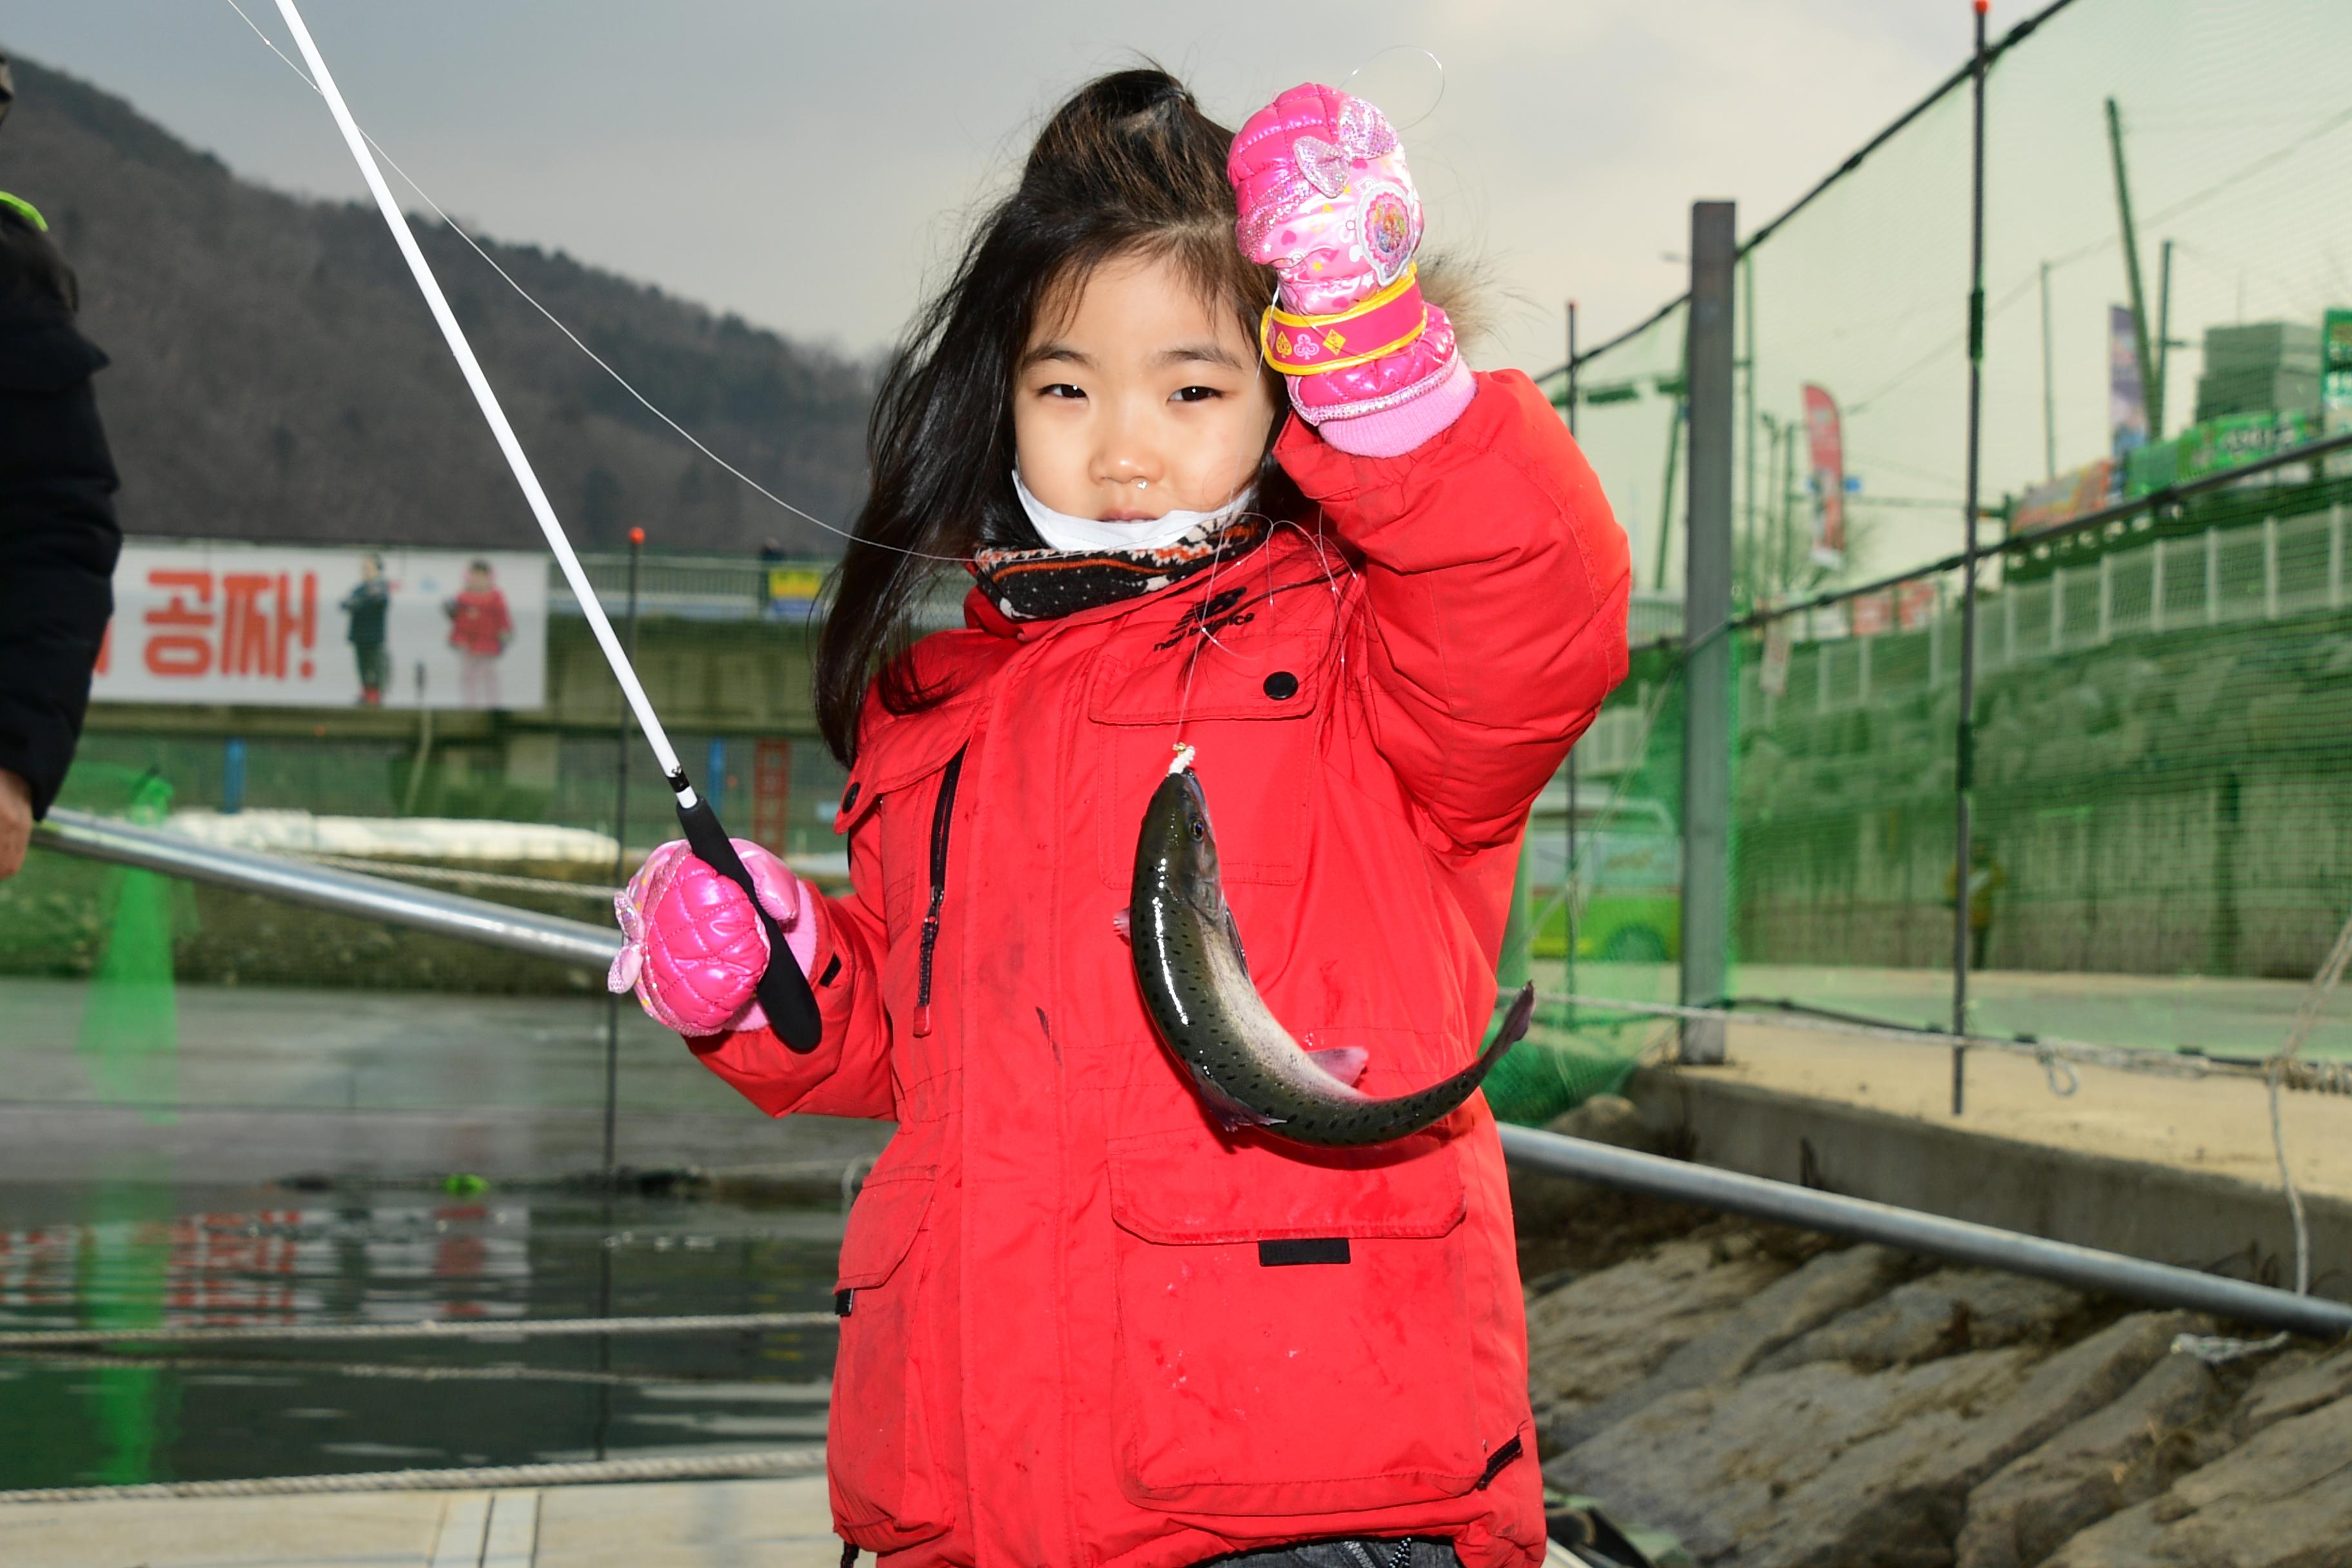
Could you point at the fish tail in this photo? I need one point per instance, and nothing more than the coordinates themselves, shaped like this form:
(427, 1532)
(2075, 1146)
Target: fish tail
(1514, 1026)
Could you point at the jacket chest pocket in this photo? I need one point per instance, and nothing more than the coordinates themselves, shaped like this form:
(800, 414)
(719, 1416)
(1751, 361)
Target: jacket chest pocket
(1293, 1333)
(1250, 718)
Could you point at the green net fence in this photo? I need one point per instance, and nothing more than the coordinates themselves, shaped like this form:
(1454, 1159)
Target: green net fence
(2161, 853)
(2159, 718)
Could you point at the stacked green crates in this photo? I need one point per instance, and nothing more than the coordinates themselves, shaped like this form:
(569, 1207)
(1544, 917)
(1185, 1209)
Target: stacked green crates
(2261, 368)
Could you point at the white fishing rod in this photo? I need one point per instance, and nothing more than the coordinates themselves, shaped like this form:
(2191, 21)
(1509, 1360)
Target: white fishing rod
(784, 990)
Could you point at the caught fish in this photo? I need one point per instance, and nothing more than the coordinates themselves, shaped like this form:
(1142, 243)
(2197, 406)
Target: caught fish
(1196, 983)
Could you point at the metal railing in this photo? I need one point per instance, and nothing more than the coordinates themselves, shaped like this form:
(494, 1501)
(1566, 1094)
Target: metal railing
(495, 925)
(727, 588)
(475, 920)
(2275, 569)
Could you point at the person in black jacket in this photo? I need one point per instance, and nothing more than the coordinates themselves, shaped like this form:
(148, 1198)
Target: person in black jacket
(58, 538)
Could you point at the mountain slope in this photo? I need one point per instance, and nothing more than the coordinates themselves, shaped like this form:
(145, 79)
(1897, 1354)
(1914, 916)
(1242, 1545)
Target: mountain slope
(277, 376)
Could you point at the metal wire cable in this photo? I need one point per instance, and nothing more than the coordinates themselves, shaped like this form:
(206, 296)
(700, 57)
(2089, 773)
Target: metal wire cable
(622, 380)
(2046, 1051)
(396, 1372)
(427, 1329)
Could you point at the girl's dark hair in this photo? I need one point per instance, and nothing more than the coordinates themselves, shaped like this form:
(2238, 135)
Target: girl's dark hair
(32, 266)
(1129, 165)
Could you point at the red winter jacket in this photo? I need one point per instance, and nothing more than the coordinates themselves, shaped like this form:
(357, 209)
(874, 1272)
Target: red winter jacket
(1072, 1339)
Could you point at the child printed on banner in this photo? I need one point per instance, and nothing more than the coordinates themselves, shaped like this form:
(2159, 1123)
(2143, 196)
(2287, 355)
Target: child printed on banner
(480, 629)
(1379, 595)
(367, 606)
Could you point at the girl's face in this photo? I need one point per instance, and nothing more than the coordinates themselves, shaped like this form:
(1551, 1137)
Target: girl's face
(1139, 398)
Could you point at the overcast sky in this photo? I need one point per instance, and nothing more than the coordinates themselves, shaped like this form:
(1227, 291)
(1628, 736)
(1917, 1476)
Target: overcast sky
(809, 167)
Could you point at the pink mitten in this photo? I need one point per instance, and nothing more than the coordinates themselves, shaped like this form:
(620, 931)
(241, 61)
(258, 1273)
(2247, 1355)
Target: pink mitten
(691, 947)
(1326, 199)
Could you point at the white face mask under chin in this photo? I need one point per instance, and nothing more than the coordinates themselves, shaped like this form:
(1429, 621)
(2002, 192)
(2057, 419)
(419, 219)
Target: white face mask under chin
(1060, 531)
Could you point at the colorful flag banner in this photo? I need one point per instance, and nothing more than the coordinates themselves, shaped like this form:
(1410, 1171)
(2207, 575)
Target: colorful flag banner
(1827, 440)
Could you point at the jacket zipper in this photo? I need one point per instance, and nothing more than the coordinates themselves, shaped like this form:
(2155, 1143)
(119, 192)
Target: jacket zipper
(942, 816)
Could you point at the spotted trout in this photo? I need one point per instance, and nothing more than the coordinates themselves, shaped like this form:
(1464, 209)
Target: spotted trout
(1196, 982)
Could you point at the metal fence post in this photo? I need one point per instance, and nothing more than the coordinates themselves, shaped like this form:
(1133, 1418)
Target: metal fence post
(2336, 557)
(2269, 569)
(1964, 739)
(1707, 644)
(620, 871)
(2156, 585)
(2212, 576)
(1567, 867)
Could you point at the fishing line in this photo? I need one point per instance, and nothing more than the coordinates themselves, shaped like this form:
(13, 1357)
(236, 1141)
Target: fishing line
(557, 322)
(784, 991)
(1379, 55)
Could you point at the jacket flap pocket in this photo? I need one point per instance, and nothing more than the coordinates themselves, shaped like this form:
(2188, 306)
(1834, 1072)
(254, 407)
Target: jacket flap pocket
(882, 1224)
(1191, 1187)
(904, 752)
(1278, 681)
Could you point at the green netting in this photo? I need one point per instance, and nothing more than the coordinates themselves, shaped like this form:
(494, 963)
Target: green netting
(2162, 844)
(1600, 879)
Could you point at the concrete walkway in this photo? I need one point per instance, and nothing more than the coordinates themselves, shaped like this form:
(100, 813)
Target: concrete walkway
(669, 1524)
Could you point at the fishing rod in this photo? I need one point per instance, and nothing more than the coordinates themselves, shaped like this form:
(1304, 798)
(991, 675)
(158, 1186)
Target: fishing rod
(784, 991)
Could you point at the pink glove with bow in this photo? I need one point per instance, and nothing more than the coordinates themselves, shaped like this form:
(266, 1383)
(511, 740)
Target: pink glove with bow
(1325, 200)
(691, 947)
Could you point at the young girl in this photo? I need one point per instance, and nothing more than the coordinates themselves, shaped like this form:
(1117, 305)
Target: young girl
(1080, 1325)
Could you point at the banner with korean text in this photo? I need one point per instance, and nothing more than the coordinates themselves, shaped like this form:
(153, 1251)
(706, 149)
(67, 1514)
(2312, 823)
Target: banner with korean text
(296, 625)
(1825, 438)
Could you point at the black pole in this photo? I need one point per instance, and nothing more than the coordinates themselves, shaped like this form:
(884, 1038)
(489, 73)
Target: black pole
(1965, 757)
(2156, 406)
(1712, 394)
(1568, 874)
(2151, 396)
(1749, 576)
(620, 870)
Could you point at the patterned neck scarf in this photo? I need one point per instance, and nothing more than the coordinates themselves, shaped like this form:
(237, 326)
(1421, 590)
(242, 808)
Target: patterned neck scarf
(1041, 585)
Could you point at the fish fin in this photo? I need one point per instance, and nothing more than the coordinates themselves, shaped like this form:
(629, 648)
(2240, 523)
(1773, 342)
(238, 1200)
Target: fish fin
(1233, 931)
(1122, 922)
(1344, 1063)
(1228, 1113)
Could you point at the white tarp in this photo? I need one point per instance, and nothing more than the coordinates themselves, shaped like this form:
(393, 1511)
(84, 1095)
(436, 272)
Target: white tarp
(408, 838)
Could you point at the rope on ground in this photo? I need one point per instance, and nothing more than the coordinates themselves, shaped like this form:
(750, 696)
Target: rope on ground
(458, 878)
(764, 1464)
(404, 1371)
(2216, 1349)
(425, 1328)
(2054, 1055)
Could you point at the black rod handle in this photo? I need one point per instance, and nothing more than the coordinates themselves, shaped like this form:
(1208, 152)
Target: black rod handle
(784, 991)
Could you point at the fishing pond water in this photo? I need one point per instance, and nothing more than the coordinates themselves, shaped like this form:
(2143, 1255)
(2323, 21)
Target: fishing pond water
(134, 1256)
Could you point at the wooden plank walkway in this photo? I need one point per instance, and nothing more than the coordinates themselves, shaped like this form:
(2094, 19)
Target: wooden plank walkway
(664, 1525)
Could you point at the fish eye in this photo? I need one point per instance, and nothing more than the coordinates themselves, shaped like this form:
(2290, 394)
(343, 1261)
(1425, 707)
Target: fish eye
(1200, 829)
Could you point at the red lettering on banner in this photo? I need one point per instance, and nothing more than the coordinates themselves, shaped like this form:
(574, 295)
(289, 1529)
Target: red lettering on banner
(260, 620)
(303, 625)
(245, 646)
(183, 654)
(105, 647)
